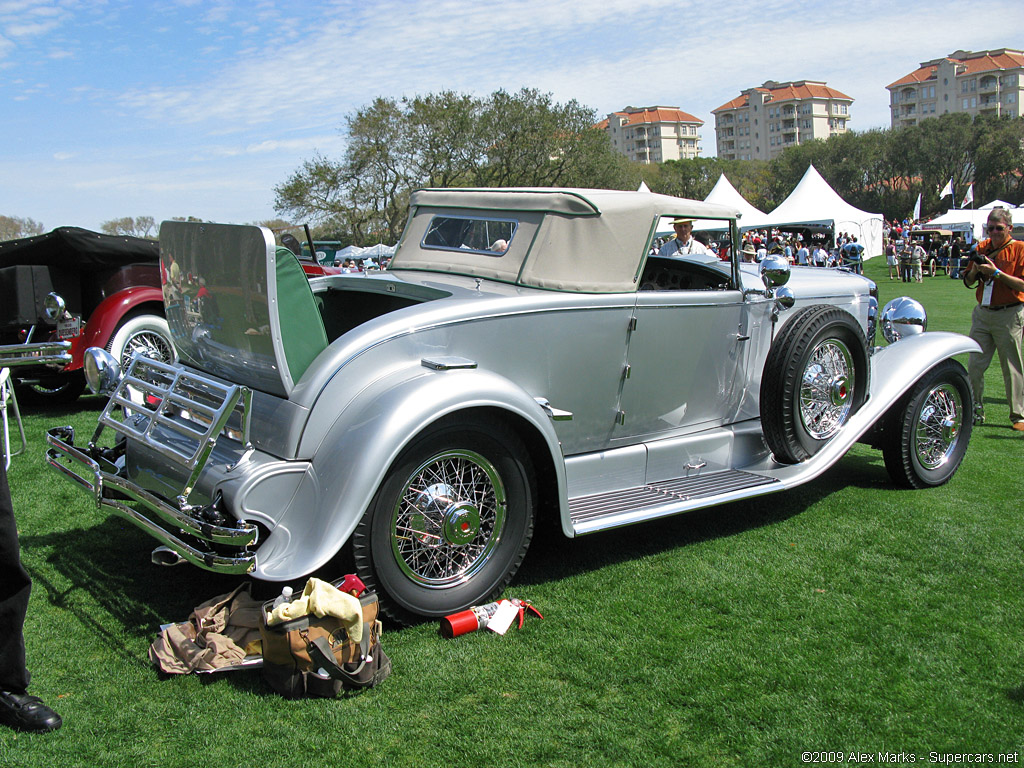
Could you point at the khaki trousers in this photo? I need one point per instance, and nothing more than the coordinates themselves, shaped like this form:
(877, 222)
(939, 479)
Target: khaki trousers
(999, 330)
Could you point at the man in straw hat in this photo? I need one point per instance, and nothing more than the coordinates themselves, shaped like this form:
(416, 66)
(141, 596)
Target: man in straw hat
(683, 244)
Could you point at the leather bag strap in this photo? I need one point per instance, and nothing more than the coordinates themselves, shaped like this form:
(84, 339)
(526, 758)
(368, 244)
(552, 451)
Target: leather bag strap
(323, 658)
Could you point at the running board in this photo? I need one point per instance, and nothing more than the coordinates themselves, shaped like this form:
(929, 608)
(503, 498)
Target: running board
(667, 497)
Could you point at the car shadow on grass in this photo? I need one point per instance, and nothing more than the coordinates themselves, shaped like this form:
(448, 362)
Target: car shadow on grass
(103, 578)
(87, 403)
(103, 574)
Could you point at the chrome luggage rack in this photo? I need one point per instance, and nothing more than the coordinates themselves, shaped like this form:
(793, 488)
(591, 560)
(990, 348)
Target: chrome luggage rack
(179, 414)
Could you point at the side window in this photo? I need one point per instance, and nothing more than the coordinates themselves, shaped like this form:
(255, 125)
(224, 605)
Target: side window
(487, 236)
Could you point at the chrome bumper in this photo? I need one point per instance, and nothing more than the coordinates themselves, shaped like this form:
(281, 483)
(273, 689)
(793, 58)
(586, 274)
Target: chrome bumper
(100, 477)
(55, 353)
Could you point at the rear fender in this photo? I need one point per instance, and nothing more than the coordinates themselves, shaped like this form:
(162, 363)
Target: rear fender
(353, 458)
(104, 320)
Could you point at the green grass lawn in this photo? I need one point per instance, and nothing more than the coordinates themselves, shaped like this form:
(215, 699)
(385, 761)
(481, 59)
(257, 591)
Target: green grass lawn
(843, 616)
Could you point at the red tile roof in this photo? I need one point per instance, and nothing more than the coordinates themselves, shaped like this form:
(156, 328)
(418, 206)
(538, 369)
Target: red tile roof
(778, 92)
(654, 115)
(975, 63)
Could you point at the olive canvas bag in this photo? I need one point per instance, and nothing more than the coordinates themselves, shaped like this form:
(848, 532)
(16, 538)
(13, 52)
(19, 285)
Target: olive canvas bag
(315, 656)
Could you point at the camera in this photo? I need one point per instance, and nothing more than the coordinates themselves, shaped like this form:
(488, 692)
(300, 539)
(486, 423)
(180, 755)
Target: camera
(977, 255)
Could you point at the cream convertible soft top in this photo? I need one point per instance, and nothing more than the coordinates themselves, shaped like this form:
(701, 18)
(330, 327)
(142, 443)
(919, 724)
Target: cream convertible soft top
(581, 240)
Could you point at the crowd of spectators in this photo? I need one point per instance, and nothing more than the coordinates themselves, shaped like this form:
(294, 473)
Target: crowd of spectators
(910, 251)
(807, 248)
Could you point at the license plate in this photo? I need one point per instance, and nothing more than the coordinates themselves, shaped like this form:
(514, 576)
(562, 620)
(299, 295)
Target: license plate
(69, 328)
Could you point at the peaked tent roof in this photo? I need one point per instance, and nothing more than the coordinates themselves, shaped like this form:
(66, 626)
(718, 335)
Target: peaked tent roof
(724, 193)
(815, 202)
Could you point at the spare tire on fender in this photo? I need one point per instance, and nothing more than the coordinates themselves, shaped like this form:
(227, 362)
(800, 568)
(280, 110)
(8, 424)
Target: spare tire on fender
(814, 379)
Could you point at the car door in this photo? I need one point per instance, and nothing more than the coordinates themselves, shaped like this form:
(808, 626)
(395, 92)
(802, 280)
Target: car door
(687, 359)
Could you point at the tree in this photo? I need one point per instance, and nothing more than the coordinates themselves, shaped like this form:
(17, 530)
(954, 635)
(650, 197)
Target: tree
(13, 227)
(536, 142)
(998, 151)
(142, 226)
(447, 139)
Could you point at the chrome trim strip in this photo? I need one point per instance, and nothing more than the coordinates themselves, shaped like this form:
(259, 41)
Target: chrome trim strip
(556, 414)
(447, 363)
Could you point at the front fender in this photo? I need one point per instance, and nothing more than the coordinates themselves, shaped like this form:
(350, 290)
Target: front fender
(351, 461)
(107, 315)
(894, 370)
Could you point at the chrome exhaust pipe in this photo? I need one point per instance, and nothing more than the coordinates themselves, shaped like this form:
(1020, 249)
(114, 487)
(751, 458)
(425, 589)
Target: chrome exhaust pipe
(166, 556)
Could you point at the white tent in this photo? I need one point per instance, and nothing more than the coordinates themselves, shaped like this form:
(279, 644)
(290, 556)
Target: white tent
(815, 203)
(969, 221)
(724, 193)
(972, 220)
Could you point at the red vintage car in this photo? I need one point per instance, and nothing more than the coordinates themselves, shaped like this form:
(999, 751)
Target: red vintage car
(104, 291)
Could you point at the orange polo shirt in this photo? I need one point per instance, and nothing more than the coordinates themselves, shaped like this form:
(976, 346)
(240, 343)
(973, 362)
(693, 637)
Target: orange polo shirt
(1010, 259)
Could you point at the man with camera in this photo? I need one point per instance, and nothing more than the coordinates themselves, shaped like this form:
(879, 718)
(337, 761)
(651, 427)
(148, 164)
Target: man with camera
(997, 323)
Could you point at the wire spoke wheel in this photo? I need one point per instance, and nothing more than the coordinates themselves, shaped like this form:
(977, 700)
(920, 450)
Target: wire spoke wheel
(826, 389)
(449, 518)
(815, 378)
(451, 521)
(928, 430)
(938, 426)
(149, 343)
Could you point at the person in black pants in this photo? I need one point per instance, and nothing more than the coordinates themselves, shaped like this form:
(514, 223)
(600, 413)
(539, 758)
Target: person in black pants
(17, 708)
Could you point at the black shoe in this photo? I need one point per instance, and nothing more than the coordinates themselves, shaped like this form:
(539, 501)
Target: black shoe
(27, 713)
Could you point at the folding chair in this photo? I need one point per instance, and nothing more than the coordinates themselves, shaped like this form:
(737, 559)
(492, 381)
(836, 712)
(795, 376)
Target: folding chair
(7, 394)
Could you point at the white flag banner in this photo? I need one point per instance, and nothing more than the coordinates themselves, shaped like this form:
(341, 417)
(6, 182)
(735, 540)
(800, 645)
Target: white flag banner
(969, 197)
(947, 190)
(917, 208)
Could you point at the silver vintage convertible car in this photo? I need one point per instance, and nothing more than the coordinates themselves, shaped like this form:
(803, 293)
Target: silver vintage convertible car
(524, 357)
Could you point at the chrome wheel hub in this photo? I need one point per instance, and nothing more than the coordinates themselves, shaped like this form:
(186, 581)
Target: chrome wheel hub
(459, 520)
(938, 426)
(448, 519)
(826, 391)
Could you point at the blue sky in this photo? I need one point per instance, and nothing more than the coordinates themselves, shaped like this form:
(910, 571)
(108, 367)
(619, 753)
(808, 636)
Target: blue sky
(198, 108)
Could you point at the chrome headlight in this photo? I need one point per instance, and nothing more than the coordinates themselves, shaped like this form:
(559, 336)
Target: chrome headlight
(54, 306)
(102, 371)
(903, 317)
(774, 271)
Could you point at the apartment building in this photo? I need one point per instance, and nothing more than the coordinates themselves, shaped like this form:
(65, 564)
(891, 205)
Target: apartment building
(654, 134)
(761, 122)
(982, 83)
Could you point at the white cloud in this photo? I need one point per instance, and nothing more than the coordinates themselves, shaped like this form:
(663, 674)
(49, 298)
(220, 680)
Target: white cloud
(218, 100)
